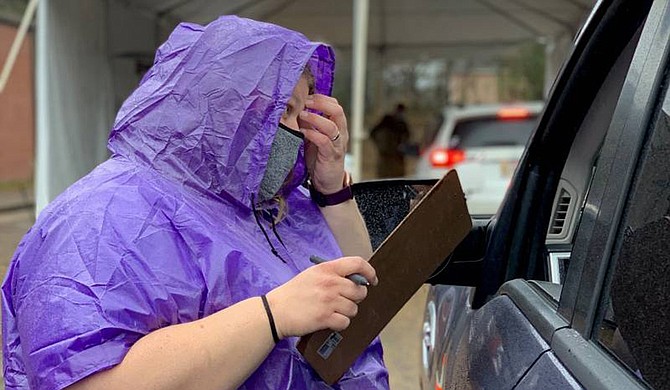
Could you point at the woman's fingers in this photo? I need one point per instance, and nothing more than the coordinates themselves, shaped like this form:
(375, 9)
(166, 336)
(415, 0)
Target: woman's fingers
(325, 147)
(338, 322)
(331, 109)
(327, 136)
(345, 307)
(355, 292)
(324, 126)
(350, 290)
(354, 265)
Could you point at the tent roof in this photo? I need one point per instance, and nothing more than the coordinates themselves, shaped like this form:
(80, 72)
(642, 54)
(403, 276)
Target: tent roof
(400, 27)
(101, 43)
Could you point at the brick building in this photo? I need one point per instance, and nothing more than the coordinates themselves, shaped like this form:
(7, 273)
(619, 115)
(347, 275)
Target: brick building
(17, 123)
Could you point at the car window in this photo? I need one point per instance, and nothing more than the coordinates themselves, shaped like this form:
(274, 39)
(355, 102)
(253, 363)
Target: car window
(487, 132)
(635, 314)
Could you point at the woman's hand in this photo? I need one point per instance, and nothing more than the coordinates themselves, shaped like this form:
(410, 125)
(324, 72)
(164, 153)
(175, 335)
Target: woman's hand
(328, 136)
(321, 297)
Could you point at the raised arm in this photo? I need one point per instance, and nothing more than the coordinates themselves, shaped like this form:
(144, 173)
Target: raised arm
(328, 136)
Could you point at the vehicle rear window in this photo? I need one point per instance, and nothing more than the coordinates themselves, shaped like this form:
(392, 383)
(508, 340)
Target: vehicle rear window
(483, 132)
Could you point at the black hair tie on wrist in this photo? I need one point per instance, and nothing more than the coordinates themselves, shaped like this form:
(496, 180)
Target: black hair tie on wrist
(273, 328)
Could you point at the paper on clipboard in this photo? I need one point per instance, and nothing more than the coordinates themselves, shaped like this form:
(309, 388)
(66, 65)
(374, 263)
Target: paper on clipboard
(403, 262)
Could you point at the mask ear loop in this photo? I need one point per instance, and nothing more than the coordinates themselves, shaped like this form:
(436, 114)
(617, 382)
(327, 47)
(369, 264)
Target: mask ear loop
(274, 230)
(265, 234)
(290, 130)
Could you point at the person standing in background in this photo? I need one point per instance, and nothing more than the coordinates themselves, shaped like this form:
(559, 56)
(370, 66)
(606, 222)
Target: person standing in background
(389, 136)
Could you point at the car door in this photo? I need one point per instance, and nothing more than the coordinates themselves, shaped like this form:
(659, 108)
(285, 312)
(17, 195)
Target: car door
(610, 324)
(480, 344)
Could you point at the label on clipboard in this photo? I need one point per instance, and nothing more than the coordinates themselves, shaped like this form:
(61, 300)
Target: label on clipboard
(329, 345)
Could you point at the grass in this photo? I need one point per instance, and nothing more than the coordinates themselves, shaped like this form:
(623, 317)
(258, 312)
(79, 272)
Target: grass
(16, 185)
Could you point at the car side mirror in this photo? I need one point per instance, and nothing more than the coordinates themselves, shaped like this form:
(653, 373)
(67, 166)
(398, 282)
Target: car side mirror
(385, 203)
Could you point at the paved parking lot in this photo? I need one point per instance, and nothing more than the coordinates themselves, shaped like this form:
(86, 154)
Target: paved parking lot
(401, 340)
(13, 224)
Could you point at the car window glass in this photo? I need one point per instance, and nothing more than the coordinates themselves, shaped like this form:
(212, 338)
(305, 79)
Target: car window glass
(489, 132)
(635, 314)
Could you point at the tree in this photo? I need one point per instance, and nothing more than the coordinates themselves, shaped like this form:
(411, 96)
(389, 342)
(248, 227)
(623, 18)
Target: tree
(12, 10)
(521, 75)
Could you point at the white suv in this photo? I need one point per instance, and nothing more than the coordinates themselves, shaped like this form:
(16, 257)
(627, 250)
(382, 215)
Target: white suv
(483, 143)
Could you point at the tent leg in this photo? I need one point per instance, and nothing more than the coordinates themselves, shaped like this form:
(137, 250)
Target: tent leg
(359, 44)
(42, 136)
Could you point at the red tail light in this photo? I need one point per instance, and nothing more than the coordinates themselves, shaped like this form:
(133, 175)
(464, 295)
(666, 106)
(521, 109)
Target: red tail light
(446, 158)
(511, 113)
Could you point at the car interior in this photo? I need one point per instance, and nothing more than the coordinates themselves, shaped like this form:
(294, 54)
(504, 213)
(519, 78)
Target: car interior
(579, 169)
(573, 188)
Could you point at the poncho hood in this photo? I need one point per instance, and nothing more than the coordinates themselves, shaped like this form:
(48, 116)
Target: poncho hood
(207, 111)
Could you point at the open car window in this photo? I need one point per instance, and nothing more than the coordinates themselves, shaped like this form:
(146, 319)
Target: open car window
(580, 167)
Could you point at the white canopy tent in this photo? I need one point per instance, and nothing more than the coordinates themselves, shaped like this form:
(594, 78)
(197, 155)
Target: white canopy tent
(88, 53)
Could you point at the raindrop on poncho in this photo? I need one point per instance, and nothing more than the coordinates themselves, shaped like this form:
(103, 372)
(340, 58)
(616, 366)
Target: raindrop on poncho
(163, 232)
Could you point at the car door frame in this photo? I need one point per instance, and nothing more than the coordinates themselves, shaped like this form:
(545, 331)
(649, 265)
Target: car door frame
(617, 165)
(600, 227)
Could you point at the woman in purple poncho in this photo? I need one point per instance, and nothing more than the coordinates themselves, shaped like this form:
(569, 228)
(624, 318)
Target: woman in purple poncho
(182, 262)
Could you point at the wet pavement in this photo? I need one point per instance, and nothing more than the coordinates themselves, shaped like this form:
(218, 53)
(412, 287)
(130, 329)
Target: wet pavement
(401, 338)
(402, 343)
(16, 217)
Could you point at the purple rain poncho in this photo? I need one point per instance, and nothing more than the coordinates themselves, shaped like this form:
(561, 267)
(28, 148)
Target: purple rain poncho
(163, 232)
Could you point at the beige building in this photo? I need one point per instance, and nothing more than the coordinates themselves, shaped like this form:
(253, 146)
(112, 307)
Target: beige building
(476, 87)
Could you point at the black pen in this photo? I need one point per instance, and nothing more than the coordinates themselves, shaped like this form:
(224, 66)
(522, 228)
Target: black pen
(356, 278)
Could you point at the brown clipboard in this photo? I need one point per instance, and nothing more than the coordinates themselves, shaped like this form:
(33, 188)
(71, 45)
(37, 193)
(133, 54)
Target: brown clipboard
(403, 262)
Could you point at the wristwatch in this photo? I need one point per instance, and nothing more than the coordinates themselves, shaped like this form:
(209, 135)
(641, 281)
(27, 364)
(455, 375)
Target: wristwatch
(333, 199)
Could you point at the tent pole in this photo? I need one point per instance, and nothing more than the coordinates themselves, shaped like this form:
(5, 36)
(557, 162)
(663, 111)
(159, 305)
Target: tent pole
(18, 41)
(360, 44)
(42, 134)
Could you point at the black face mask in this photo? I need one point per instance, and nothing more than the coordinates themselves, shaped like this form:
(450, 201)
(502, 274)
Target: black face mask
(283, 157)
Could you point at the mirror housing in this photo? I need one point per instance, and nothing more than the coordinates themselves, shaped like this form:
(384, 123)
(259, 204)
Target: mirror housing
(385, 203)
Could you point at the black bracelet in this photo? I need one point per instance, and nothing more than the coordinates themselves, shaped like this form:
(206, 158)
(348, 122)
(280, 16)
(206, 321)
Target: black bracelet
(273, 328)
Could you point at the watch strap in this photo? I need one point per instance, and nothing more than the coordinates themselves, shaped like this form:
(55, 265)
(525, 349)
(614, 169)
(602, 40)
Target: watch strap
(341, 196)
